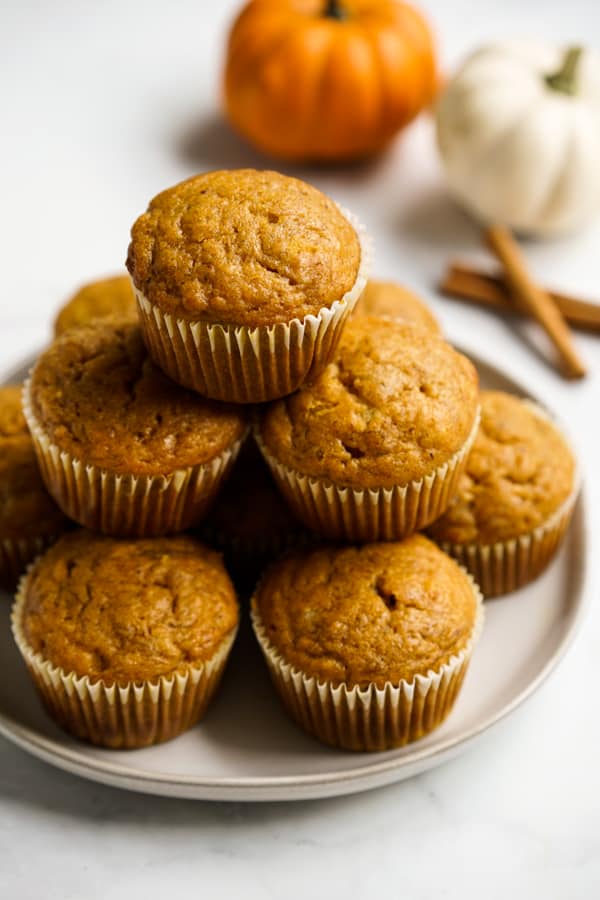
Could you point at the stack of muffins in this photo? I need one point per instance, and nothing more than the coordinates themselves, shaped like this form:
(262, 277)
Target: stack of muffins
(249, 329)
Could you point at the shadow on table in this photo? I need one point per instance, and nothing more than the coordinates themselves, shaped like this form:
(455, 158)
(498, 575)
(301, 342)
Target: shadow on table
(211, 143)
(28, 782)
(432, 220)
(65, 797)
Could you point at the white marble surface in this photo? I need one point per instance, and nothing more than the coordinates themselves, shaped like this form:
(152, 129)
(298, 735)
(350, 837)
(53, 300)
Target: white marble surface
(102, 105)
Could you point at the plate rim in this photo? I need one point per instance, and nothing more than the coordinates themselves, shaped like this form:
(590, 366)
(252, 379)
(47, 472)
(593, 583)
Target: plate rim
(371, 772)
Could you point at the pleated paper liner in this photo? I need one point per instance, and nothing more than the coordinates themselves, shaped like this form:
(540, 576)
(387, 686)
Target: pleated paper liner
(136, 714)
(238, 364)
(384, 514)
(17, 553)
(505, 566)
(126, 505)
(508, 565)
(371, 718)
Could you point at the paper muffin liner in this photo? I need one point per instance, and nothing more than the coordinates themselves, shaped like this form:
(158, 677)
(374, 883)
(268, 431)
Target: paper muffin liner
(505, 566)
(238, 364)
(17, 553)
(369, 514)
(121, 504)
(126, 716)
(369, 718)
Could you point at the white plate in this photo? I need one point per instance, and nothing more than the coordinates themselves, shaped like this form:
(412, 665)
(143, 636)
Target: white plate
(247, 749)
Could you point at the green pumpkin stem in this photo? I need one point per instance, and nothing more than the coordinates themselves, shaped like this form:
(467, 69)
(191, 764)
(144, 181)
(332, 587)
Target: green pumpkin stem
(565, 79)
(334, 10)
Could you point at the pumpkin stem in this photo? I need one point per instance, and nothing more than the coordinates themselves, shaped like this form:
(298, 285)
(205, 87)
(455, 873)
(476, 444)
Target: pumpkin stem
(565, 79)
(333, 10)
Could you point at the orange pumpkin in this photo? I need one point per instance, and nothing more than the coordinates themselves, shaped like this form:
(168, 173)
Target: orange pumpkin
(325, 80)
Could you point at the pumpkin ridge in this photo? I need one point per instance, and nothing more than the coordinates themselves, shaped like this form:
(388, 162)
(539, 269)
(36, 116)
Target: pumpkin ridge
(269, 46)
(345, 97)
(557, 181)
(505, 134)
(515, 152)
(371, 37)
(320, 60)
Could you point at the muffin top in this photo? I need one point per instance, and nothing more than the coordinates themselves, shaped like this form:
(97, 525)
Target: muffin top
(250, 508)
(392, 301)
(121, 610)
(26, 509)
(243, 247)
(395, 403)
(98, 300)
(371, 614)
(96, 393)
(519, 471)
(12, 420)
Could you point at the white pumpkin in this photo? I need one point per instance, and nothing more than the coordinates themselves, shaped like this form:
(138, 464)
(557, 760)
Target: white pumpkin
(519, 133)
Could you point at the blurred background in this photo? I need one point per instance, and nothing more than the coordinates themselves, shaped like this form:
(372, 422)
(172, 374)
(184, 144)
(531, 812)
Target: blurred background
(104, 104)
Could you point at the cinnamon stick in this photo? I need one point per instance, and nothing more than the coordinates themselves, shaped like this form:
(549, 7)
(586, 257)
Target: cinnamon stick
(535, 300)
(465, 282)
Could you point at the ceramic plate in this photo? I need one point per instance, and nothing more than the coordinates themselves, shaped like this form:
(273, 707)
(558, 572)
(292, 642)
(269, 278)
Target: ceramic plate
(247, 749)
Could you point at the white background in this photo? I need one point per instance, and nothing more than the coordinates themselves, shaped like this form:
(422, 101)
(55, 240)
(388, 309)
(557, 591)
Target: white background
(102, 105)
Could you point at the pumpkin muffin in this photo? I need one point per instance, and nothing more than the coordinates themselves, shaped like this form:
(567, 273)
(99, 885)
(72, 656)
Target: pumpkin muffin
(250, 521)
(515, 497)
(126, 640)
(244, 279)
(123, 450)
(373, 448)
(392, 301)
(29, 518)
(392, 624)
(98, 300)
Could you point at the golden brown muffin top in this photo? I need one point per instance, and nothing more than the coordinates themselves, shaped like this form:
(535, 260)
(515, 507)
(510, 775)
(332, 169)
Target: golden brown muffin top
(97, 394)
(12, 420)
(395, 403)
(124, 610)
(243, 247)
(98, 300)
(392, 301)
(519, 471)
(371, 614)
(250, 507)
(26, 509)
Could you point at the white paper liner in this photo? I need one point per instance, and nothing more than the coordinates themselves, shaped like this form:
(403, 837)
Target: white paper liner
(371, 718)
(17, 553)
(369, 514)
(505, 566)
(136, 714)
(238, 364)
(126, 505)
